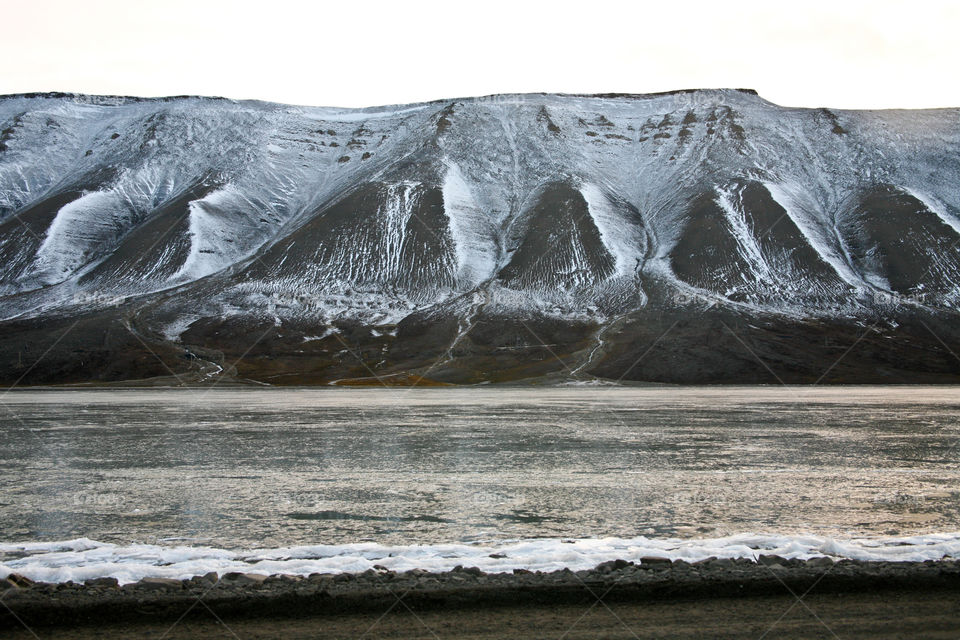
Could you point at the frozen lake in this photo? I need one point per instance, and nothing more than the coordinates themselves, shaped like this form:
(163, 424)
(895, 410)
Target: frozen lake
(239, 468)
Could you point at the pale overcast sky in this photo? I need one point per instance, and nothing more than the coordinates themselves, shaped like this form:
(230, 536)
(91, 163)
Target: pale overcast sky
(352, 53)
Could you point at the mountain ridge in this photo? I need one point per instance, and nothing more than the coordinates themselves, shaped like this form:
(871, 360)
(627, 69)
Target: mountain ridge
(107, 98)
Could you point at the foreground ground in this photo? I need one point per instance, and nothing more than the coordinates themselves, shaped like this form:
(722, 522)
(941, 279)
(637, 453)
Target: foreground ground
(896, 614)
(769, 598)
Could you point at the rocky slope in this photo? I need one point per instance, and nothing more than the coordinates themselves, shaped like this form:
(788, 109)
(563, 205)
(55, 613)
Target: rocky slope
(695, 236)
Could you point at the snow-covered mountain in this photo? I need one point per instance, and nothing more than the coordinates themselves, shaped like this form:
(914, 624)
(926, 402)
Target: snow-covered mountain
(695, 236)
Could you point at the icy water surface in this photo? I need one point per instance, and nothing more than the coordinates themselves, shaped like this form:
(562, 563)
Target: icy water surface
(242, 469)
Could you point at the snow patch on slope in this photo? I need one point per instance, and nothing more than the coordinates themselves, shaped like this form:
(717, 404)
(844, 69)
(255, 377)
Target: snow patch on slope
(731, 203)
(790, 199)
(401, 200)
(936, 207)
(474, 244)
(624, 241)
(217, 234)
(175, 329)
(80, 228)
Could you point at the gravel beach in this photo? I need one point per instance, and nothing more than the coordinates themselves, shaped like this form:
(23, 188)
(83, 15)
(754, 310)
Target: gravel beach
(652, 598)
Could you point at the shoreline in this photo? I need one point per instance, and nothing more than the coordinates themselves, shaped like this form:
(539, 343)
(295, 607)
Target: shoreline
(234, 596)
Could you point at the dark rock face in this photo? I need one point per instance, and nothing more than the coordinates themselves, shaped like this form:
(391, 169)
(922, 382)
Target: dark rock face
(560, 217)
(688, 237)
